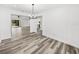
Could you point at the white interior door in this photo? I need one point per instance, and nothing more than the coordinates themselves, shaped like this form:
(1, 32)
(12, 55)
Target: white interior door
(33, 25)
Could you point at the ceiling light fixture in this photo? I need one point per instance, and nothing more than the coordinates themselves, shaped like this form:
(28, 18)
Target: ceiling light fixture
(33, 12)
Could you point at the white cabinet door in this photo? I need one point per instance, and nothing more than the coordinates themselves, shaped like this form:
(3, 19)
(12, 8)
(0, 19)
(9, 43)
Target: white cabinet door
(16, 32)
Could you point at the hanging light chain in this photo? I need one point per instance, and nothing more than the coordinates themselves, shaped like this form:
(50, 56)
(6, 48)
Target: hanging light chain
(32, 10)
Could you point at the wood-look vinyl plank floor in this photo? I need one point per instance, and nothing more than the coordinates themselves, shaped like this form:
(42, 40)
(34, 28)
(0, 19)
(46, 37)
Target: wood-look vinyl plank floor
(36, 44)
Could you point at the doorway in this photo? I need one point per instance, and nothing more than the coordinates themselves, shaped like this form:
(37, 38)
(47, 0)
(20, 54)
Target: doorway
(36, 25)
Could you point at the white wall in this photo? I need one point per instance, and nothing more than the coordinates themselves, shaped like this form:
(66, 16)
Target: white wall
(5, 21)
(62, 24)
(4, 24)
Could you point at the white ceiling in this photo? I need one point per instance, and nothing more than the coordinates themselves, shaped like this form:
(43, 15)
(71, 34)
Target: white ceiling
(28, 7)
(38, 7)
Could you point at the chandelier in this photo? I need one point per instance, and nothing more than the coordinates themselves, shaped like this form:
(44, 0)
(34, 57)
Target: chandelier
(33, 13)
